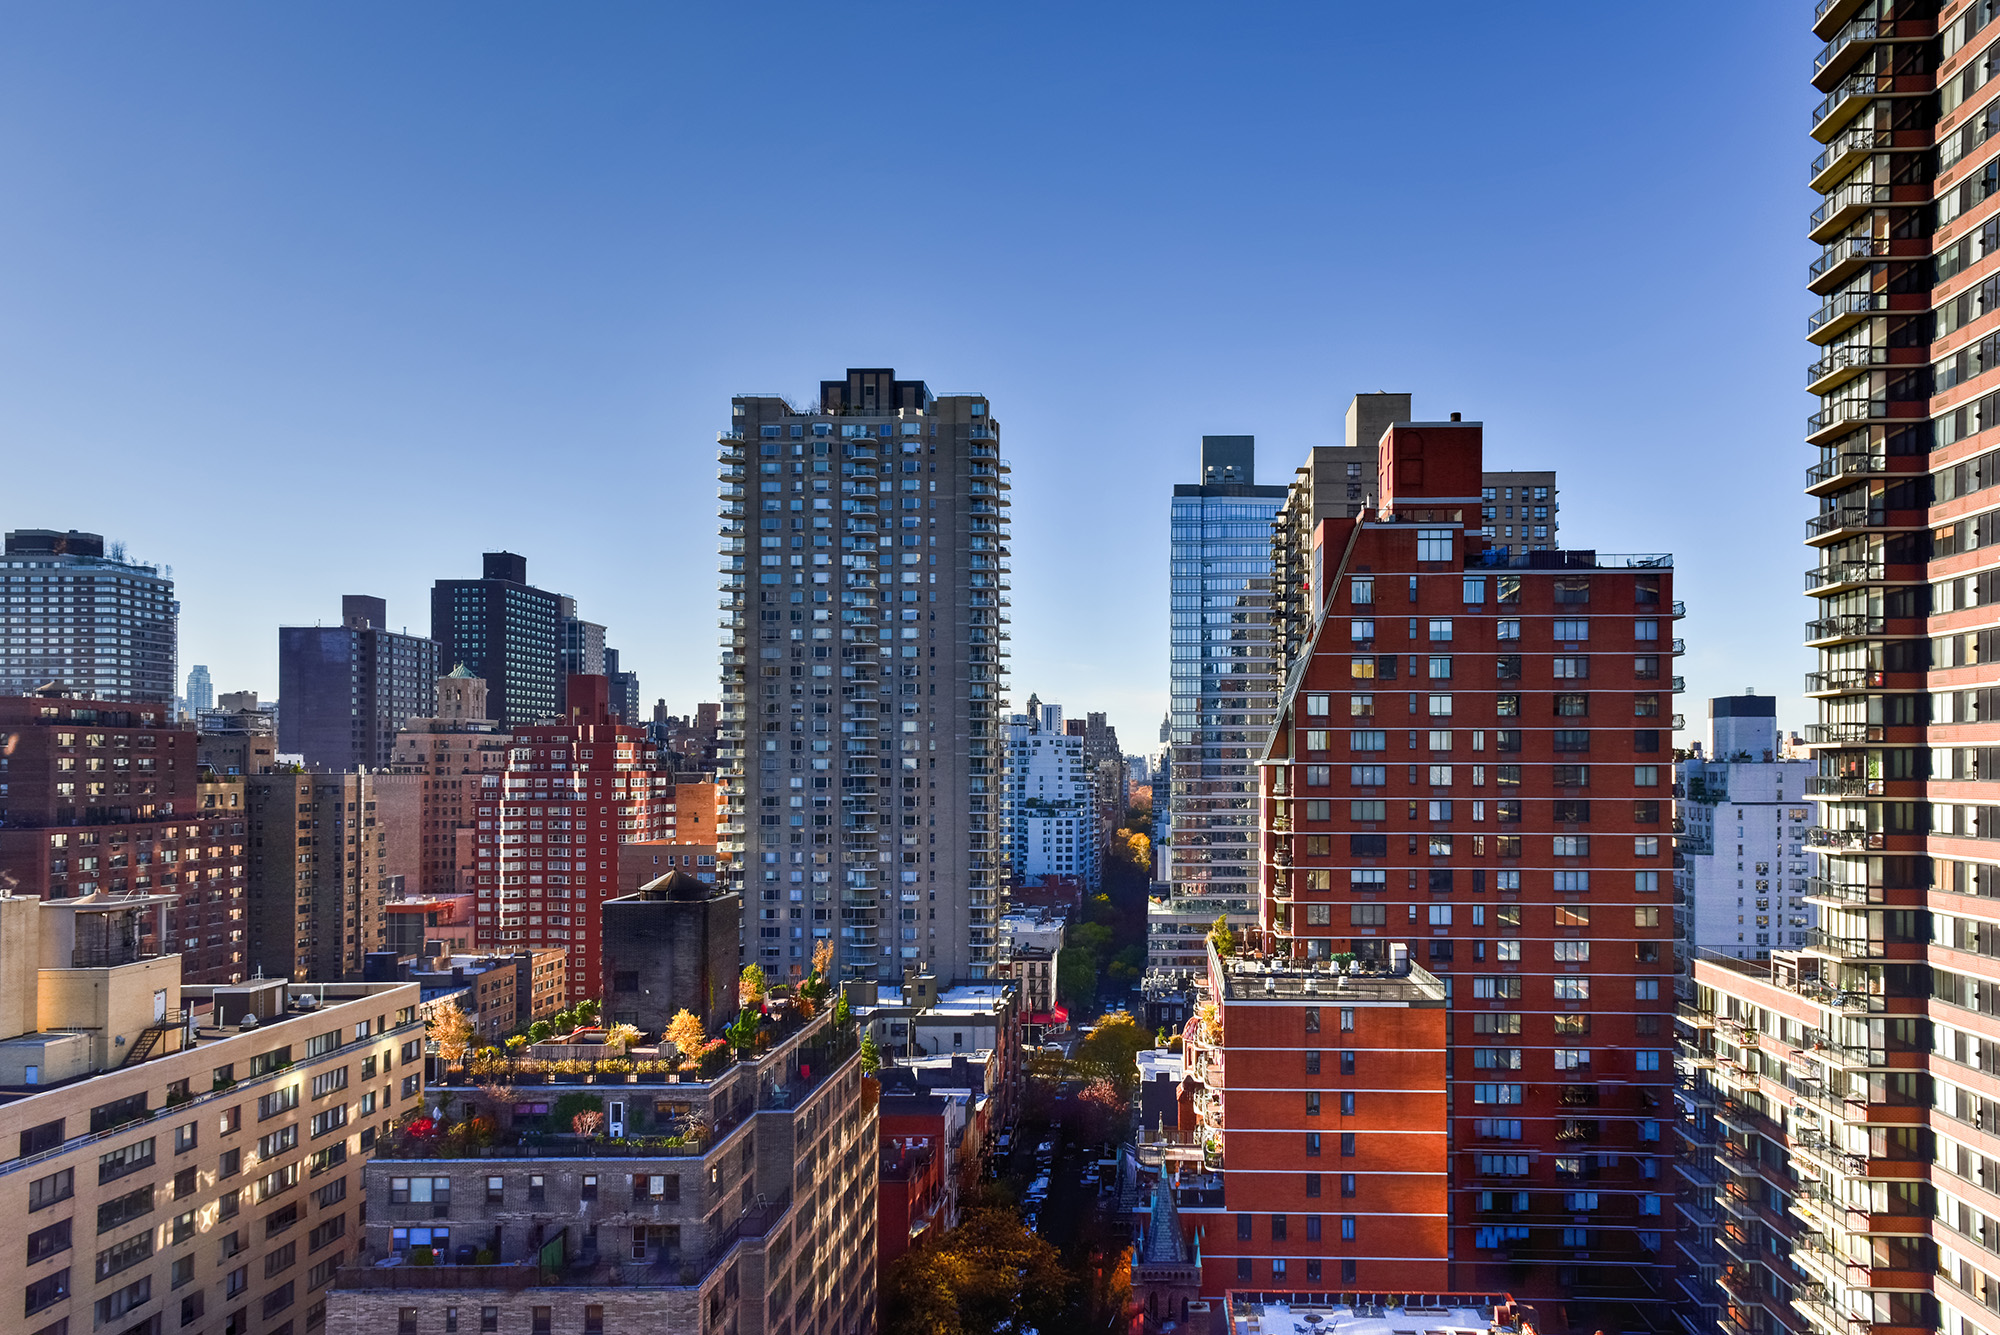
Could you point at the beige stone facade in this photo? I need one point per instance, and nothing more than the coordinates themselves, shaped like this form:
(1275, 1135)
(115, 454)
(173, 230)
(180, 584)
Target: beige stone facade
(195, 1176)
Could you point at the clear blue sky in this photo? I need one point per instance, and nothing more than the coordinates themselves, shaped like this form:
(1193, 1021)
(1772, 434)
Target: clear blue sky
(314, 299)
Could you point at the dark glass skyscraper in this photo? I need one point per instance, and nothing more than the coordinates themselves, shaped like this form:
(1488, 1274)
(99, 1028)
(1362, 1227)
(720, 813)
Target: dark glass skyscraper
(503, 629)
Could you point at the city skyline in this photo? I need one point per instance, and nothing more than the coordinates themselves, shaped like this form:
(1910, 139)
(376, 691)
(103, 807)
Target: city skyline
(426, 350)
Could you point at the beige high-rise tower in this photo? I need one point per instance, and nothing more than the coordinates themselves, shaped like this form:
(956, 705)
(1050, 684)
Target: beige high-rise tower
(864, 595)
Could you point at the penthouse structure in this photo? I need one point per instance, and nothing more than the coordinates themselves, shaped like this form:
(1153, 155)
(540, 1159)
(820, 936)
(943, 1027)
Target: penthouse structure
(1340, 481)
(182, 1158)
(864, 582)
(1473, 756)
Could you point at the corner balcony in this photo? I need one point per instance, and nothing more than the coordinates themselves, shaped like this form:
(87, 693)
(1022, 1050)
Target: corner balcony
(1846, 841)
(1843, 206)
(1845, 102)
(1838, 418)
(1837, 523)
(1841, 259)
(1838, 576)
(1838, 734)
(1841, 468)
(1845, 626)
(1850, 948)
(1842, 313)
(1841, 155)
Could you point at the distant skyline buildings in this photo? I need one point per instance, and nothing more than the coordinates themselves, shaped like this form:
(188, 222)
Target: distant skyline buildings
(81, 617)
(507, 632)
(345, 691)
(200, 689)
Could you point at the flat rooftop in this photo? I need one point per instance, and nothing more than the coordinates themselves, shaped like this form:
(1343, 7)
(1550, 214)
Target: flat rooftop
(1367, 1314)
(1255, 979)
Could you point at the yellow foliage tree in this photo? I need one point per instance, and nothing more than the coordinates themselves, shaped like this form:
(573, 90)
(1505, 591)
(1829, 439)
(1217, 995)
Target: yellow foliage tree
(684, 1031)
(452, 1029)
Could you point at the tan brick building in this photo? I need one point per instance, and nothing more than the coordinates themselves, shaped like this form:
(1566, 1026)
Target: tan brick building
(181, 1158)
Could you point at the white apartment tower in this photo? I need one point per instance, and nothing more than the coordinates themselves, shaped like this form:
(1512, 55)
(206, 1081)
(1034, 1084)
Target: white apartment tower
(864, 599)
(1743, 856)
(1050, 806)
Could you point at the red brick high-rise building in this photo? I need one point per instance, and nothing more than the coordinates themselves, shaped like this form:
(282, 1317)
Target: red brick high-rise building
(97, 796)
(548, 850)
(1474, 758)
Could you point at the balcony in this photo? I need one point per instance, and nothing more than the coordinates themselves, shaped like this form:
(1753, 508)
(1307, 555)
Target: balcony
(1843, 785)
(1842, 521)
(1835, 419)
(1836, 734)
(1846, 150)
(1842, 313)
(1843, 681)
(1839, 575)
(1850, 841)
(1845, 626)
(1844, 103)
(1842, 259)
(1843, 206)
(1845, 49)
(1844, 892)
(1842, 947)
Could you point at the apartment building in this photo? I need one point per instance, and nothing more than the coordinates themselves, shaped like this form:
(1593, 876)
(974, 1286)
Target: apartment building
(1742, 818)
(1177, 928)
(573, 792)
(1849, 1071)
(443, 769)
(1475, 755)
(86, 620)
(1049, 803)
(182, 1158)
(316, 893)
(864, 579)
(1330, 1126)
(742, 1199)
(1339, 481)
(348, 689)
(506, 632)
(104, 796)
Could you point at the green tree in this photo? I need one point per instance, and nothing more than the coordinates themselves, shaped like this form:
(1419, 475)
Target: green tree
(1222, 937)
(1112, 1050)
(588, 1011)
(871, 1056)
(1076, 977)
(1127, 965)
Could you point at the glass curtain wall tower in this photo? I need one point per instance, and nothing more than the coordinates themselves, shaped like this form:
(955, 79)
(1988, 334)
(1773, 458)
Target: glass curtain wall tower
(1224, 667)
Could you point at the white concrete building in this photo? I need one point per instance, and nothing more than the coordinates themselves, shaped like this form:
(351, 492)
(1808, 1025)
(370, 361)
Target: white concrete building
(1743, 859)
(1177, 927)
(1049, 808)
